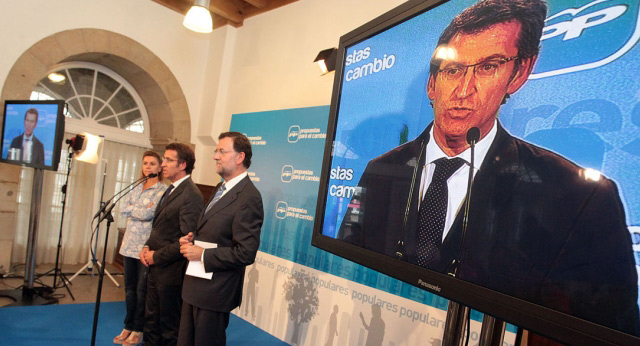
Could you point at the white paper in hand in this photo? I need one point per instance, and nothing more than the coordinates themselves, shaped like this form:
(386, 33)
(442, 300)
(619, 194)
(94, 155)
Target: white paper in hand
(196, 268)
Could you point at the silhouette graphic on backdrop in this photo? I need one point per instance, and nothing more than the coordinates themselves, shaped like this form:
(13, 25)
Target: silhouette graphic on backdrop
(253, 275)
(333, 326)
(302, 302)
(375, 327)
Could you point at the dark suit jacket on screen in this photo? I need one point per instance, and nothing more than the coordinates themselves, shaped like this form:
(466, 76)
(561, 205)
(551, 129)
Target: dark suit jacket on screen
(174, 218)
(233, 223)
(37, 150)
(538, 229)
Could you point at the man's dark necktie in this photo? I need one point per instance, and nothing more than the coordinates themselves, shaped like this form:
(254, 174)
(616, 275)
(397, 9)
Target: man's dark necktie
(166, 194)
(216, 197)
(433, 210)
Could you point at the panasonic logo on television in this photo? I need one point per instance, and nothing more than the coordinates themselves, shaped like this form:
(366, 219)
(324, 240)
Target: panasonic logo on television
(429, 286)
(376, 65)
(587, 37)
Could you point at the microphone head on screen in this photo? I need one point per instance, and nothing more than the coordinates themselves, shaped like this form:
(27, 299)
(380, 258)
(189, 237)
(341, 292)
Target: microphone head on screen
(153, 175)
(473, 135)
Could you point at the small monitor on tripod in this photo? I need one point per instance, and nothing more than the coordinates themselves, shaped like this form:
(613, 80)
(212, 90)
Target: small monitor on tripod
(32, 133)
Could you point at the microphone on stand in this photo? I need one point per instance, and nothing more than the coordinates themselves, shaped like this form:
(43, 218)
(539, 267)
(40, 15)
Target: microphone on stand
(473, 135)
(136, 183)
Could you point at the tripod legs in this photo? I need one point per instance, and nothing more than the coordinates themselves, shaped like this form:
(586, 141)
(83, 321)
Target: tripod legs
(89, 267)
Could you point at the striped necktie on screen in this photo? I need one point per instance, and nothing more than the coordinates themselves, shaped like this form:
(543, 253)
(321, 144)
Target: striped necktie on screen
(433, 210)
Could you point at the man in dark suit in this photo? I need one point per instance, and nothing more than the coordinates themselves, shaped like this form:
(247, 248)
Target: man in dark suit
(31, 149)
(540, 228)
(232, 220)
(176, 216)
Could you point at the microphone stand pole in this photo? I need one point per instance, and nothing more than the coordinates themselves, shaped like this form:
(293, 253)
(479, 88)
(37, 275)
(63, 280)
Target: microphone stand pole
(56, 270)
(109, 217)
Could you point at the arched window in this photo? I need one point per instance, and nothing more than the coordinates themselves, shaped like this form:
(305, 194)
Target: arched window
(98, 100)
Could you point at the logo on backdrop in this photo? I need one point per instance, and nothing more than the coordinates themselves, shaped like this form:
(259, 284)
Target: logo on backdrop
(296, 133)
(253, 176)
(255, 140)
(283, 211)
(289, 174)
(601, 31)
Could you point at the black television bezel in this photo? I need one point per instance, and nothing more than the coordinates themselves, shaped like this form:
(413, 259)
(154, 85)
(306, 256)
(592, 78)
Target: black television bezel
(545, 321)
(59, 132)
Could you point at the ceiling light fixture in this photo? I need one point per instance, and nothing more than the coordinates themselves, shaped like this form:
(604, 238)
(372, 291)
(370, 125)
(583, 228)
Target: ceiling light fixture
(56, 77)
(198, 18)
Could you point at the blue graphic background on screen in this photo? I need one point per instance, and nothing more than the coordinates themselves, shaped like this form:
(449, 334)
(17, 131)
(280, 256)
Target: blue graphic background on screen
(45, 131)
(585, 115)
(383, 109)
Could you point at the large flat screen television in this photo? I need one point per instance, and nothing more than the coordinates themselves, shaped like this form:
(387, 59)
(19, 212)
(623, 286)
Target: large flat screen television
(547, 235)
(32, 133)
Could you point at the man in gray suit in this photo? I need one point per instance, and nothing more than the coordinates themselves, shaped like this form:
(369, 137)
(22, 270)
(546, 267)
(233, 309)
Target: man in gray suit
(232, 220)
(176, 215)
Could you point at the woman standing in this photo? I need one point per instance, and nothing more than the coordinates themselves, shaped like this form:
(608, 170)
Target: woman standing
(139, 209)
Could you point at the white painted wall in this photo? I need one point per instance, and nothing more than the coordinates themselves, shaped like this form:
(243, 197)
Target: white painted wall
(25, 22)
(266, 64)
(271, 66)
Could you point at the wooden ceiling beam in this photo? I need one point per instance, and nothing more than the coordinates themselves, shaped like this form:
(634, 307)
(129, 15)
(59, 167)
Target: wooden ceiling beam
(271, 4)
(257, 3)
(227, 9)
(232, 12)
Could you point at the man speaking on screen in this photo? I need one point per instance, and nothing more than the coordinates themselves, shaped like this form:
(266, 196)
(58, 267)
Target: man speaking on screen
(32, 149)
(539, 227)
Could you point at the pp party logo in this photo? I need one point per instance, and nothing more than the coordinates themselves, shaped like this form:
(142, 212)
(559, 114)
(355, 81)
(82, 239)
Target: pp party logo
(585, 34)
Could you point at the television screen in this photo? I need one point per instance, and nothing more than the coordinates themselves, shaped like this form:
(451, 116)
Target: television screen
(32, 133)
(537, 223)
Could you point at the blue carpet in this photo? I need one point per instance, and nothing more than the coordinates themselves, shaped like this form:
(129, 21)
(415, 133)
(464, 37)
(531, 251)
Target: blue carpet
(71, 324)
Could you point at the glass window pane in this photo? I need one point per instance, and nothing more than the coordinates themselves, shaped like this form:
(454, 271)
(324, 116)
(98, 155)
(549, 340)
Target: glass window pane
(105, 112)
(123, 101)
(128, 118)
(86, 104)
(82, 79)
(105, 87)
(61, 90)
(97, 107)
(74, 109)
(109, 122)
(136, 126)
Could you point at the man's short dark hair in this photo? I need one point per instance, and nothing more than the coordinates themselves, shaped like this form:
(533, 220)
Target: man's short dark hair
(479, 17)
(31, 111)
(185, 154)
(241, 144)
